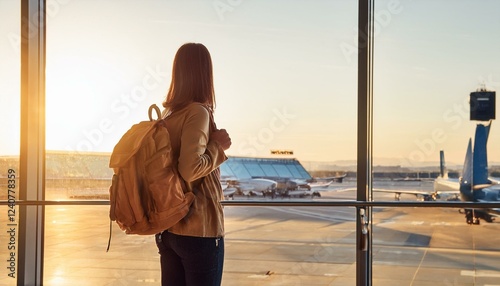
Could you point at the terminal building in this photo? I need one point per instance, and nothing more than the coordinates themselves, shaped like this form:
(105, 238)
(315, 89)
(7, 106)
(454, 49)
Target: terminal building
(275, 168)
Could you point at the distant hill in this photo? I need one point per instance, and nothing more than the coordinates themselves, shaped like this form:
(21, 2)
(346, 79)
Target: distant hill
(62, 164)
(77, 165)
(350, 165)
(72, 174)
(66, 164)
(87, 175)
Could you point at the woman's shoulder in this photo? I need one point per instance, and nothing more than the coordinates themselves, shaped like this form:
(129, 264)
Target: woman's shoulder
(192, 109)
(196, 108)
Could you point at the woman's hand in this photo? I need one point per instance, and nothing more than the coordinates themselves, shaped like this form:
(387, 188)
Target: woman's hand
(222, 138)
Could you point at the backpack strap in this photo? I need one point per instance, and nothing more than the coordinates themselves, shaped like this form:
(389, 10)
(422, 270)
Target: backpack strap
(163, 116)
(110, 232)
(212, 125)
(150, 112)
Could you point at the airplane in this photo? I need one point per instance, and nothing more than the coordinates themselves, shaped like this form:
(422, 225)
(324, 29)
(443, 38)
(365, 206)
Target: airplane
(303, 184)
(474, 185)
(443, 184)
(318, 184)
(297, 188)
(248, 187)
(325, 181)
(444, 188)
(447, 189)
(267, 187)
(337, 179)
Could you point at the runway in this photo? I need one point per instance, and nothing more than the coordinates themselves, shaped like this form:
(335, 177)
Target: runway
(282, 246)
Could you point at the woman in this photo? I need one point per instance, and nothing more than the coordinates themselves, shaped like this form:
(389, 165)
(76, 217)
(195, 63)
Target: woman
(192, 251)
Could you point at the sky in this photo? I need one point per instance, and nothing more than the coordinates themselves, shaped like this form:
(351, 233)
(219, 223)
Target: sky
(285, 73)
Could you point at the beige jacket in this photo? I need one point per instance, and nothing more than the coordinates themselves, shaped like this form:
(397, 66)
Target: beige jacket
(199, 161)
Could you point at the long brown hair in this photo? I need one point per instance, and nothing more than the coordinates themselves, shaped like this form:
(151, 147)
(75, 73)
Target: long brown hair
(192, 78)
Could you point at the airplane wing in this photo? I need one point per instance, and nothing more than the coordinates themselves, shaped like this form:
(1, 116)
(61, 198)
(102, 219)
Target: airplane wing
(337, 179)
(320, 184)
(426, 196)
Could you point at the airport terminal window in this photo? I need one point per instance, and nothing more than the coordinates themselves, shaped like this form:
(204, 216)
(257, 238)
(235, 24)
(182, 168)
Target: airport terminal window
(423, 67)
(283, 171)
(295, 56)
(273, 63)
(297, 172)
(269, 170)
(424, 73)
(293, 50)
(254, 170)
(239, 170)
(226, 172)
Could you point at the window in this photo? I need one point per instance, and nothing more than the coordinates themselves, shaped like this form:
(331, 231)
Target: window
(282, 71)
(285, 80)
(429, 57)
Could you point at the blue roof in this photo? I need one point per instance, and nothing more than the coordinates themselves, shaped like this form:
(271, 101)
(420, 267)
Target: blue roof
(246, 168)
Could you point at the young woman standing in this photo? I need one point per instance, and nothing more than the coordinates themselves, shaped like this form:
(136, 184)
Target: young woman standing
(192, 251)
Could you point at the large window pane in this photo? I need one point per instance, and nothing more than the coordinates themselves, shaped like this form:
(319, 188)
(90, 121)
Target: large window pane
(75, 250)
(424, 246)
(429, 57)
(10, 60)
(264, 246)
(285, 73)
(423, 76)
(285, 79)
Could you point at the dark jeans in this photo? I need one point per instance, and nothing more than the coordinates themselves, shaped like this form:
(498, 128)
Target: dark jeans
(189, 260)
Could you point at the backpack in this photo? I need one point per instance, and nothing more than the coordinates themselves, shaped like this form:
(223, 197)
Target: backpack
(147, 194)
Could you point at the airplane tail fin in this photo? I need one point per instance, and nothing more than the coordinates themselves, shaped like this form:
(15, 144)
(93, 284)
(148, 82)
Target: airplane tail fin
(467, 170)
(442, 167)
(480, 156)
(467, 173)
(475, 170)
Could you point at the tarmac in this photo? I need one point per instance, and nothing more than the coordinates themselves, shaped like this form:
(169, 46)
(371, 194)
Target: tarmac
(280, 246)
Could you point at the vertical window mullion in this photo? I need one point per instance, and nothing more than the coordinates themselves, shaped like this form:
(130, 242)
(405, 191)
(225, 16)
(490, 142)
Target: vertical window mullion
(364, 157)
(32, 153)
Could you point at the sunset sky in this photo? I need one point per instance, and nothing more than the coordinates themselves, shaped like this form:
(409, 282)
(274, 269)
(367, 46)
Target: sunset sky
(285, 73)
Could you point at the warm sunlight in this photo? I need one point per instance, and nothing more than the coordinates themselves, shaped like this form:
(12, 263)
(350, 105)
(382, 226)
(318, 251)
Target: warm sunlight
(279, 85)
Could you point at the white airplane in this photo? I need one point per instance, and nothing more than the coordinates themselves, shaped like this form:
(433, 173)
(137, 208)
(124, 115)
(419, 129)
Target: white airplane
(312, 185)
(473, 186)
(317, 184)
(268, 188)
(249, 187)
(337, 179)
(296, 188)
(444, 188)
